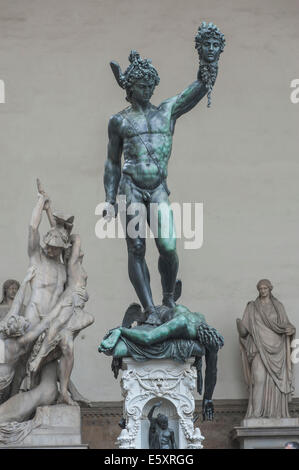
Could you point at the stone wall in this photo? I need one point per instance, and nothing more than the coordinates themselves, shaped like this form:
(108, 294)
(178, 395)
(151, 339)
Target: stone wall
(100, 423)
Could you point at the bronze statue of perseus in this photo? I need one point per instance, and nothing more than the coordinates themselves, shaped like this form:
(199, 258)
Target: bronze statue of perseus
(143, 133)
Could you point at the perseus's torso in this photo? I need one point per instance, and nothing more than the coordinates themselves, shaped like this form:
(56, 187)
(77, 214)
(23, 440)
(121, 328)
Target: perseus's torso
(147, 142)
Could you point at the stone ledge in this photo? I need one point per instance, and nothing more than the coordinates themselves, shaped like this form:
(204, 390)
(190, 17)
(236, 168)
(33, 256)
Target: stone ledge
(222, 406)
(263, 431)
(270, 437)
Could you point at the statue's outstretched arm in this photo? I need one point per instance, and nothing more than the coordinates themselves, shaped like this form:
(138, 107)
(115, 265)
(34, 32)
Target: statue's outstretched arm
(33, 334)
(113, 163)
(47, 205)
(189, 98)
(76, 248)
(151, 412)
(34, 238)
(73, 264)
(210, 383)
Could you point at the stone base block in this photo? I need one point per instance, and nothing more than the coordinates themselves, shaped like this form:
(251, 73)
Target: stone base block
(266, 433)
(269, 422)
(52, 427)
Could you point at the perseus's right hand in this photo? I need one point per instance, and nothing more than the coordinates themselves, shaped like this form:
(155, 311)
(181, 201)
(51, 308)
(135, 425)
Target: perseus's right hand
(109, 211)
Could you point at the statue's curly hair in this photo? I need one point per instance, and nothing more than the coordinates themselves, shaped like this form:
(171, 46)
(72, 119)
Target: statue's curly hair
(209, 336)
(138, 69)
(207, 31)
(15, 326)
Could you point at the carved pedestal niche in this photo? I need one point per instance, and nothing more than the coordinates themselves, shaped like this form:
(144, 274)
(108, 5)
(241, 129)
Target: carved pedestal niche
(56, 426)
(170, 383)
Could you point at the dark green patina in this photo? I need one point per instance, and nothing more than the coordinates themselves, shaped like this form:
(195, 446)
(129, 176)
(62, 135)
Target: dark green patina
(143, 134)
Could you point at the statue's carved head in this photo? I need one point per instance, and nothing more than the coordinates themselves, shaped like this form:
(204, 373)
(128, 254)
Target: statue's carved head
(55, 242)
(140, 78)
(264, 287)
(209, 42)
(15, 326)
(9, 290)
(162, 421)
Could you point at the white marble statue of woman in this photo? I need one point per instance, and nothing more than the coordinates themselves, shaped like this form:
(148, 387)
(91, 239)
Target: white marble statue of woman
(265, 337)
(9, 291)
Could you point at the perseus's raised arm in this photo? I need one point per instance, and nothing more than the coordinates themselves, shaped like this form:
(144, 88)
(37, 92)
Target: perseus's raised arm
(189, 98)
(112, 171)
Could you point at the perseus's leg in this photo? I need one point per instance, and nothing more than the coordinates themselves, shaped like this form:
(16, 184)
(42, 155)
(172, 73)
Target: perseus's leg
(137, 267)
(166, 243)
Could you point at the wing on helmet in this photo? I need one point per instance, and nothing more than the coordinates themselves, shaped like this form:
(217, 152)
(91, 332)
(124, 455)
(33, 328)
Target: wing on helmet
(117, 72)
(132, 314)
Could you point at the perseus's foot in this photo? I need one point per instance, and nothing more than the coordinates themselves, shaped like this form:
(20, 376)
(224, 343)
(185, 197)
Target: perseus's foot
(110, 342)
(152, 317)
(66, 399)
(168, 299)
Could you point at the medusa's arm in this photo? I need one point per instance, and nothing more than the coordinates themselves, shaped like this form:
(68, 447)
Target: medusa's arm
(210, 383)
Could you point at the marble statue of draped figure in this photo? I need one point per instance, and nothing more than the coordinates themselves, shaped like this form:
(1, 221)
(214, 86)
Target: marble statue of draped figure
(265, 334)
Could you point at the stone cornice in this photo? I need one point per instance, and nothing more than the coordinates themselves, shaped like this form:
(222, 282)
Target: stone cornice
(222, 406)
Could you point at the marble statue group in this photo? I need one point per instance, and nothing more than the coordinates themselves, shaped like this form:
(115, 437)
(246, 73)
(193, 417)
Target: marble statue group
(37, 339)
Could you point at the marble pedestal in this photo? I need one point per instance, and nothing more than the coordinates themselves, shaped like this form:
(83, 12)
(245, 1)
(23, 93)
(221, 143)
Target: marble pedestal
(266, 433)
(146, 383)
(56, 426)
